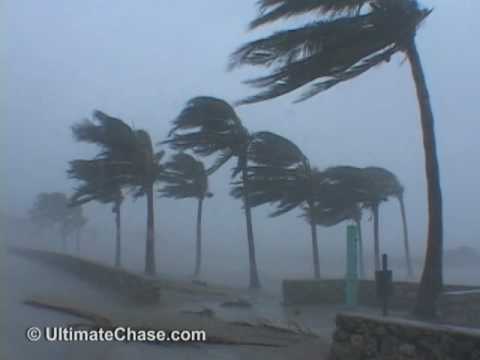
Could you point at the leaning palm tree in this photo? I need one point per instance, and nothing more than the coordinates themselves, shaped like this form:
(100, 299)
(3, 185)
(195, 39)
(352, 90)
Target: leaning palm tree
(328, 216)
(130, 156)
(280, 174)
(209, 126)
(351, 37)
(98, 182)
(186, 177)
(345, 192)
(340, 194)
(382, 184)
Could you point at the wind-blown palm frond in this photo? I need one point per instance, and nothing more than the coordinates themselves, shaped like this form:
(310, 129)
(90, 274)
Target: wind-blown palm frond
(279, 173)
(206, 126)
(114, 136)
(126, 158)
(385, 180)
(185, 177)
(49, 208)
(273, 10)
(269, 149)
(330, 51)
(330, 216)
(100, 180)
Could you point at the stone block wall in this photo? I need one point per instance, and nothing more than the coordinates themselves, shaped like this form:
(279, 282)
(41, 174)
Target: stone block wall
(332, 291)
(460, 308)
(362, 337)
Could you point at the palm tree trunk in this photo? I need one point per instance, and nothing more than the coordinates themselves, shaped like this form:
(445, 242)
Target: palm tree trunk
(405, 238)
(254, 279)
(313, 228)
(375, 236)
(118, 235)
(432, 277)
(198, 252)
(361, 262)
(77, 241)
(63, 237)
(150, 267)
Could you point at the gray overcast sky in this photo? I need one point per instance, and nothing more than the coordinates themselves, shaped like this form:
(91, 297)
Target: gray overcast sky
(142, 60)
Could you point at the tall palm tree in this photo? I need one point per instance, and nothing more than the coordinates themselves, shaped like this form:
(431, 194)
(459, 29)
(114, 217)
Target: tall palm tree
(130, 156)
(408, 258)
(186, 177)
(351, 37)
(98, 182)
(280, 174)
(209, 126)
(376, 195)
(383, 184)
(340, 194)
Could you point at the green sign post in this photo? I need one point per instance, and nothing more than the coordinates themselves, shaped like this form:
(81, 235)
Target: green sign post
(351, 278)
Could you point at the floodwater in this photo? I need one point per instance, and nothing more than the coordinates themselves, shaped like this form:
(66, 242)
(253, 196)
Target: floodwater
(27, 280)
(24, 279)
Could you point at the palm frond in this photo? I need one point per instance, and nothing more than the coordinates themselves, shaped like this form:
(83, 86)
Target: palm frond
(287, 46)
(185, 177)
(208, 126)
(329, 51)
(273, 10)
(272, 150)
(99, 181)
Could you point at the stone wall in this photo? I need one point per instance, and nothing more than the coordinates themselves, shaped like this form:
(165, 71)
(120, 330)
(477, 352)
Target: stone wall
(332, 291)
(362, 337)
(460, 308)
(128, 286)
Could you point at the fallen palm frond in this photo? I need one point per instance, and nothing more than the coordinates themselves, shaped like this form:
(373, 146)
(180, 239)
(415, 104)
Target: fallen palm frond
(291, 328)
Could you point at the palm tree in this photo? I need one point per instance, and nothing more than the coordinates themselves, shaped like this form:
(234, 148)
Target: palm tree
(208, 126)
(408, 258)
(51, 209)
(74, 223)
(99, 183)
(330, 215)
(186, 177)
(340, 194)
(376, 194)
(130, 157)
(40, 213)
(280, 174)
(383, 184)
(352, 37)
(367, 187)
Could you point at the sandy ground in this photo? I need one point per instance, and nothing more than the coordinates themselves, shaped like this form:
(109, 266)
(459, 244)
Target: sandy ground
(176, 310)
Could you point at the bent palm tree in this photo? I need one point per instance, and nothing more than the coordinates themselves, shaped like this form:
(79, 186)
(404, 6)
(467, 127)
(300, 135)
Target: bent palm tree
(280, 174)
(98, 182)
(383, 184)
(130, 157)
(331, 216)
(353, 37)
(186, 177)
(208, 126)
